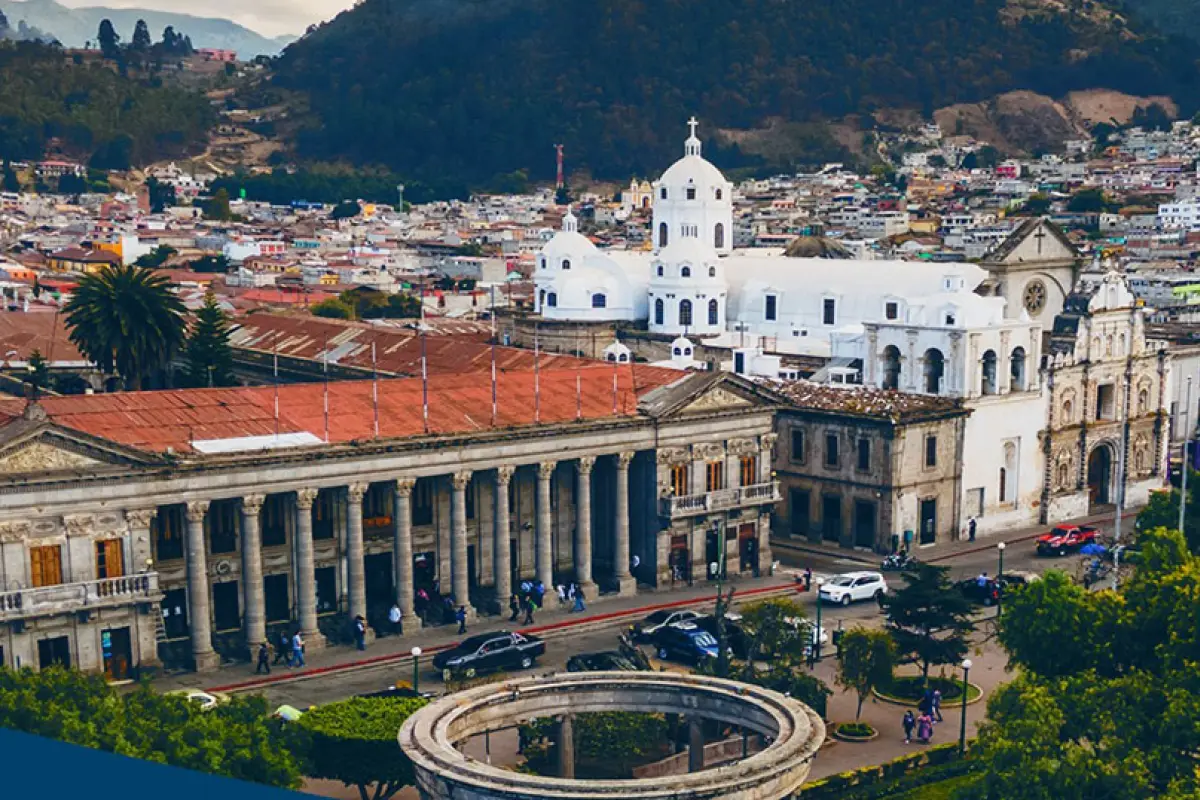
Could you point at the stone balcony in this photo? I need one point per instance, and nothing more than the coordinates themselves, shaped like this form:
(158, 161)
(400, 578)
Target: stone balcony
(692, 505)
(68, 598)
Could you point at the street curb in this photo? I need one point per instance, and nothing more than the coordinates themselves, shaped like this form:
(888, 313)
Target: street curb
(847, 555)
(547, 632)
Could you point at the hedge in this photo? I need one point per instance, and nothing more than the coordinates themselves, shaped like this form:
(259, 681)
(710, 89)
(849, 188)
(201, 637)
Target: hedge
(880, 780)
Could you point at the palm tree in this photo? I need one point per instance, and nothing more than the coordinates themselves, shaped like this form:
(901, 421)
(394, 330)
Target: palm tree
(126, 320)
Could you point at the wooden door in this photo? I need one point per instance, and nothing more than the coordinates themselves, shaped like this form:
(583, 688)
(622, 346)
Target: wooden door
(110, 559)
(45, 565)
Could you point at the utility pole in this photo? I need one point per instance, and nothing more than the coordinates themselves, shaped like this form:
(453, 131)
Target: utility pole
(558, 183)
(1187, 405)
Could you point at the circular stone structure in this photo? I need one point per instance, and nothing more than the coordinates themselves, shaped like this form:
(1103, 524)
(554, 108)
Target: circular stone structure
(430, 737)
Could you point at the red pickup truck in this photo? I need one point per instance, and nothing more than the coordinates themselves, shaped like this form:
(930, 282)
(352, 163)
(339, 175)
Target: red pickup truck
(1065, 538)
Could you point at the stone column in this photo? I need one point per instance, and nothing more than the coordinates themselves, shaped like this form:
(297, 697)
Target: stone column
(402, 555)
(695, 744)
(766, 460)
(199, 617)
(501, 556)
(545, 548)
(355, 569)
(1004, 364)
(458, 543)
(565, 746)
(254, 614)
(306, 578)
(138, 520)
(626, 582)
(583, 528)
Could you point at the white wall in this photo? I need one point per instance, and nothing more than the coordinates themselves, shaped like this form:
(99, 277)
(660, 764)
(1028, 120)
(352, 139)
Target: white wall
(994, 422)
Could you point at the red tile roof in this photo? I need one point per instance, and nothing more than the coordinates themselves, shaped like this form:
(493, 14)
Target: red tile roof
(37, 330)
(458, 404)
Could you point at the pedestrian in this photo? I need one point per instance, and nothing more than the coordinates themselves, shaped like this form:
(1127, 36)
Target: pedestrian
(935, 702)
(909, 723)
(394, 617)
(971, 529)
(578, 592)
(360, 632)
(528, 611)
(982, 580)
(526, 588)
(297, 659)
(924, 728)
(562, 595)
(925, 704)
(540, 591)
(879, 598)
(634, 563)
(460, 617)
(514, 605)
(264, 659)
(283, 646)
(448, 614)
(808, 579)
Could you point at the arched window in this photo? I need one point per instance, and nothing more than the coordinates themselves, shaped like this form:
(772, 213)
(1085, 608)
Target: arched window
(662, 233)
(1068, 412)
(987, 376)
(678, 351)
(1016, 371)
(718, 194)
(660, 270)
(891, 367)
(687, 351)
(622, 358)
(691, 193)
(712, 272)
(566, 264)
(685, 312)
(658, 312)
(542, 298)
(663, 193)
(599, 301)
(935, 368)
(1143, 400)
(719, 235)
(552, 299)
(1003, 485)
(685, 272)
(543, 262)
(713, 312)
(611, 357)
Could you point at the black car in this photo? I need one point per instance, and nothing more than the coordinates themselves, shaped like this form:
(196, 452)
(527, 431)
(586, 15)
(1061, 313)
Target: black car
(986, 593)
(397, 691)
(684, 641)
(644, 630)
(736, 637)
(488, 652)
(607, 661)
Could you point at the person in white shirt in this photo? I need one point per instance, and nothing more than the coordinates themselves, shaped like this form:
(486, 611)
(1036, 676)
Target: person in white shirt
(394, 619)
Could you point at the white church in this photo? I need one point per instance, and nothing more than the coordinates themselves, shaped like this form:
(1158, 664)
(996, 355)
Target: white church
(960, 330)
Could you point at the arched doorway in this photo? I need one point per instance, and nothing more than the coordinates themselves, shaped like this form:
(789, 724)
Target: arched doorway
(1099, 475)
(935, 368)
(891, 367)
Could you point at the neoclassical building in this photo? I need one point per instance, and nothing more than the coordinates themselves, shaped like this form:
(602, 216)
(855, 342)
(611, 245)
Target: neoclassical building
(189, 525)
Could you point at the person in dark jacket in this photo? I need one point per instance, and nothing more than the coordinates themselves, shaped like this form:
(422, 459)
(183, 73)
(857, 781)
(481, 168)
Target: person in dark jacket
(264, 659)
(460, 617)
(514, 605)
(284, 646)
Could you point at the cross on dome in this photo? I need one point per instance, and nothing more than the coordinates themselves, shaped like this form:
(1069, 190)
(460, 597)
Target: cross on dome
(692, 146)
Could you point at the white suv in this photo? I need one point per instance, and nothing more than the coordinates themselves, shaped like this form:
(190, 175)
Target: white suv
(846, 589)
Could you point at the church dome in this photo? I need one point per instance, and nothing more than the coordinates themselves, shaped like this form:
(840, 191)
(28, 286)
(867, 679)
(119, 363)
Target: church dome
(816, 247)
(695, 171)
(567, 248)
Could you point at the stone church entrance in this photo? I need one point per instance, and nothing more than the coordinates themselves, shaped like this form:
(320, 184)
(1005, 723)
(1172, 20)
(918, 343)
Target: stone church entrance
(1099, 475)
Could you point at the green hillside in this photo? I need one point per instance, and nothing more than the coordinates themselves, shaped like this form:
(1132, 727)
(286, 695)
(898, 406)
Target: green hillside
(1179, 16)
(89, 111)
(474, 88)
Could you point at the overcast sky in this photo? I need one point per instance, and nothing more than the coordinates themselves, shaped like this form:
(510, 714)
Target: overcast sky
(270, 17)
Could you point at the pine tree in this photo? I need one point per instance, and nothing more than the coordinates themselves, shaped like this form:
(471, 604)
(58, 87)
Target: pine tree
(141, 37)
(929, 619)
(207, 352)
(108, 39)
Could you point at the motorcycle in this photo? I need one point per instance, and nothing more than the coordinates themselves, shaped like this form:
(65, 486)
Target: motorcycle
(898, 561)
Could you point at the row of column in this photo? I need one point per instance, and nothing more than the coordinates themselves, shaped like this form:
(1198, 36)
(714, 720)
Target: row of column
(254, 608)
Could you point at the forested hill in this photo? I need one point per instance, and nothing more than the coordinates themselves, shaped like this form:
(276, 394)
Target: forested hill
(50, 104)
(473, 88)
(1179, 16)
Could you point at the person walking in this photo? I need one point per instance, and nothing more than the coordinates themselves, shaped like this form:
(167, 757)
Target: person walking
(909, 723)
(394, 618)
(528, 611)
(540, 592)
(297, 659)
(578, 592)
(562, 595)
(935, 702)
(514, 605)
(808, 579)
(264, 659)
(283, 646)
(971, 529)
(460, 617)
(924, 728)
(360, 632)
(634, 563)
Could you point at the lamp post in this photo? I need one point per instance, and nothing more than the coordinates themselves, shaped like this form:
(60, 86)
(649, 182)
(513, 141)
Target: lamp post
(816, 643)
(962, 731)
(416, 654)
(1000, 577)
(1187, 406)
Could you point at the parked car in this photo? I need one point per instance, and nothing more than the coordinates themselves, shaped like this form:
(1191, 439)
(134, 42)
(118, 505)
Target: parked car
(643, 631)
(737, 638)
(986, 593)
(685, 641)
(1065, 539)
(488, 652)
(402, 690)
(606, 661)
(852, 587)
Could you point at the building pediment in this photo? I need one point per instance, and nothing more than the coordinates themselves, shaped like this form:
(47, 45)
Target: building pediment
(1036, 241)
(706, 393)
(716, 400)
(36, 447)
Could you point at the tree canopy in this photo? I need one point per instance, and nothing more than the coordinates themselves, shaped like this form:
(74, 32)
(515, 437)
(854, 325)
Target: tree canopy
(866, 659)
(928, 618)
(207, 355)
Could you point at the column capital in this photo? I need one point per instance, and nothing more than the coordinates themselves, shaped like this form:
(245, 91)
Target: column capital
(140, 517)
(253, 503)
(585, 465)
(461, 479)
(79, 524)
(546, 469)
(356, 491)
(625, 459)
(404, 486)
(768, 440)
(14, 530)
(196, 509)
(305, 498)
(504, 474)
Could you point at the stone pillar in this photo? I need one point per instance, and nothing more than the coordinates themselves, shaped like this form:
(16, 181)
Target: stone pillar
(306, 578)
(766, 460)
(145, 643)
(254, 614)
(199, 616)
(695, 744)
(545, 548)
(1004, 364)
(458, 543)
(565, 746)
(583, 528)
(402, 555)
(138, 520)
(355, 569)
(626, 582)
(501, 548)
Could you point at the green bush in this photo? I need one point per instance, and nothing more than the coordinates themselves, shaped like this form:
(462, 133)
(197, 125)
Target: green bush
(912, 687)
(855, 729)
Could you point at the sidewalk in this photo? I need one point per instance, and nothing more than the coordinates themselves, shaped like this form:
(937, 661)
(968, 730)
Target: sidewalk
(944, 551)
(552, 622)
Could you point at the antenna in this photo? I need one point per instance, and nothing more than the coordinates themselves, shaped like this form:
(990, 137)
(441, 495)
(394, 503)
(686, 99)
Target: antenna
(558, 149)
(325, 373)
(375, 388)
(537, 379)
(424, 373)
(614, 388)
(275, 376)
(578, 378)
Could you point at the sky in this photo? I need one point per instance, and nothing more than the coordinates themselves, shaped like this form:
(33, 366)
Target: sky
(268, 17)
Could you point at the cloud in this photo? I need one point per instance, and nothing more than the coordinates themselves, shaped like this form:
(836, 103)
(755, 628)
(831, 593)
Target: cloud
(269, 17)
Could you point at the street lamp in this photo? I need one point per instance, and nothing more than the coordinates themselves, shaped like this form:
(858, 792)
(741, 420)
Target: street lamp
(416, 654)
(816, 643)
(1000, 577)
(962, 732)
(1000, 551)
